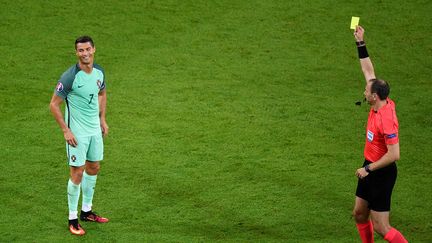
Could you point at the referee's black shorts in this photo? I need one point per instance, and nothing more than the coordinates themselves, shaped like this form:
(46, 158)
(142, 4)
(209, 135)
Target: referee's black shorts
(377, 187)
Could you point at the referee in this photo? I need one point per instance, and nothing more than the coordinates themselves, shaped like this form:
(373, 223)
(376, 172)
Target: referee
(378, 175)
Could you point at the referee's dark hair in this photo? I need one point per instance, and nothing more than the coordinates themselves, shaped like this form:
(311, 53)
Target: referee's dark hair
(381, 88)
(84, 39)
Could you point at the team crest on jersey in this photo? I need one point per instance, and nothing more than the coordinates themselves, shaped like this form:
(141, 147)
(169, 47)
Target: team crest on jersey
(99, 84)
(73, 158)
(370, 136)
(59, 87)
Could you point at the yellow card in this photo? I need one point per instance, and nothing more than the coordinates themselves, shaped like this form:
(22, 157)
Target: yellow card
(354, 22)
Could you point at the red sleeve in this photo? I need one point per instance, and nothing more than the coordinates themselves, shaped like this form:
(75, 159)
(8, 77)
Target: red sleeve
(390, 126)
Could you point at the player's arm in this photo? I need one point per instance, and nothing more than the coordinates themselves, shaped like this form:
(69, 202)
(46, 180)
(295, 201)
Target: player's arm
(365, 61)
(56, 112)
(102, 111)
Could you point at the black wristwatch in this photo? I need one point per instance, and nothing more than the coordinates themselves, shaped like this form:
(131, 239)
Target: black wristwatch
(367, 169)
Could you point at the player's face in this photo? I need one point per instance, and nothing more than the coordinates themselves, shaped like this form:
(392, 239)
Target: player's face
(370, 97)
(85, 52)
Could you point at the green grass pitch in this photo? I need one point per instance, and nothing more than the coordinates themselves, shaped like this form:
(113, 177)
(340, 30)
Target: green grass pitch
(230, 121)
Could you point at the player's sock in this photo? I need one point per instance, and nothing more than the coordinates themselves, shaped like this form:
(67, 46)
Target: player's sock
(73, 197)
(88, 187)
(86, 208)
(366, 232)
(394, 236)
(73, 215)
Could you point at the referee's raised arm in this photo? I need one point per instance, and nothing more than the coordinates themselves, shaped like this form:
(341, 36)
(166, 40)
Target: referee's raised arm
(365, 62)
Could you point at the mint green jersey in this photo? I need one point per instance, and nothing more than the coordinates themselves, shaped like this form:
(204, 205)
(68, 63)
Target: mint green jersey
(80, 91)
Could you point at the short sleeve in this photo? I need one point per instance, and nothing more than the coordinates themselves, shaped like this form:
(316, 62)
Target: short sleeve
(64, 85)
(390, 127)
(102, 83)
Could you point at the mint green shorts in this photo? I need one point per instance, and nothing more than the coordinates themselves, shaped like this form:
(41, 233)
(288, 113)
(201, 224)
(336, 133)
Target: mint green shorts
(89, 148)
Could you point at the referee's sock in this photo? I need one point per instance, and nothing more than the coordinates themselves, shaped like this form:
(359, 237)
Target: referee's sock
(394, 236)
(73, 197)
(88, 186)
(366, 232)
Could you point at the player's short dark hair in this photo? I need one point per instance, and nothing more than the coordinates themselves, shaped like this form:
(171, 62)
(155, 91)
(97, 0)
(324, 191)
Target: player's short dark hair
(84, 39)
(381, 88)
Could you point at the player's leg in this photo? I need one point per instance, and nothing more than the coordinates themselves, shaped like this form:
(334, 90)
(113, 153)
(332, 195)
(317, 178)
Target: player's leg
(361, 217)
(89, 184)
(76, 160)
(381, 223)
(94, 155)
(73, 190)
(92, 166)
